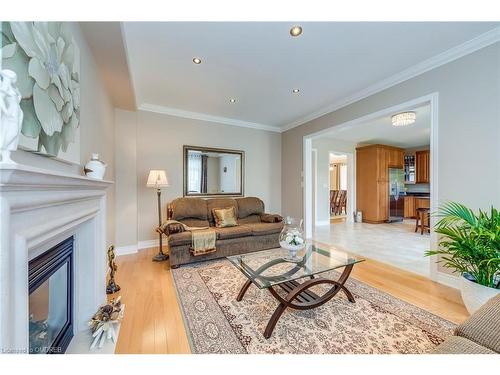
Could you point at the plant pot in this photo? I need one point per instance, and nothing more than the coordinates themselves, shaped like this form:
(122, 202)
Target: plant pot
(475, 295)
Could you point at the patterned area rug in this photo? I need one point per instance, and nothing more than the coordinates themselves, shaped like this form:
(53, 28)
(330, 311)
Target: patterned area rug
(376, 323)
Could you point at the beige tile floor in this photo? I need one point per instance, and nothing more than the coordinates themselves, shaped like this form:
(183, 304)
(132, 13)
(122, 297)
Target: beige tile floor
(396, 244)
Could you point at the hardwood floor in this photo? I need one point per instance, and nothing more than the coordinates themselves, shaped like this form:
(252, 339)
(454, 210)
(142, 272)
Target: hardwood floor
(153, 320)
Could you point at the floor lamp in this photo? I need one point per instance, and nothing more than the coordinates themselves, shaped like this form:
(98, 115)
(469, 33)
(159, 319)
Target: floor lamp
(158, 179)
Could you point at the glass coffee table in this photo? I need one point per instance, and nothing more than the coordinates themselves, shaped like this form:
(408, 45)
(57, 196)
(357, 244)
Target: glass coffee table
(269, 270)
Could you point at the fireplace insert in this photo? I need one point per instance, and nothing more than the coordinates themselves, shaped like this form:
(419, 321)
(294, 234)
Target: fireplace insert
(51, 299)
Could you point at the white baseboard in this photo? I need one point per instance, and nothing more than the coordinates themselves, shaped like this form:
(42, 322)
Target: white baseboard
(124, 250)
(449, 280)
(148, 243)
(132, 249)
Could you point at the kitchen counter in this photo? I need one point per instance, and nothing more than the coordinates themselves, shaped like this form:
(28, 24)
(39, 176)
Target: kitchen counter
(414, 201)
(419, 195)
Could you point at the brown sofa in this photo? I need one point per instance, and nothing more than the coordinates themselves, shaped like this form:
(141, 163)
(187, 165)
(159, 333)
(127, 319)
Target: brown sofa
(256, 230)
(480, 334)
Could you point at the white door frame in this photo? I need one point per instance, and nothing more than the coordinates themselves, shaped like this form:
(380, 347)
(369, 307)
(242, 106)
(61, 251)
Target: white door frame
(314, 187)
(431, 99)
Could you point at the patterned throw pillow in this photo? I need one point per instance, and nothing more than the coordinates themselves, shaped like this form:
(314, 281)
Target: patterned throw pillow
(224, 217)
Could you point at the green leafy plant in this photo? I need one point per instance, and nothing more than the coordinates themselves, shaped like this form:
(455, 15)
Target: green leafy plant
(470, 243)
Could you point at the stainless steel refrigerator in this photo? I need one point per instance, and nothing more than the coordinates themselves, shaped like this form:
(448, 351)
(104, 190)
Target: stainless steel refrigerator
(396, 194)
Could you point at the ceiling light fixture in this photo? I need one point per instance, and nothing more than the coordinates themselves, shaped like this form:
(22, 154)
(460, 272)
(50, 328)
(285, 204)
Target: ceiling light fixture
(296, 31)
(232, 100)
(404, 118)
(197, 60)
(295, 91)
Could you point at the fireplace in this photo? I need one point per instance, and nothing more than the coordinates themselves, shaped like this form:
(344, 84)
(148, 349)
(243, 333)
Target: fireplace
(51, 299)
(50, 215)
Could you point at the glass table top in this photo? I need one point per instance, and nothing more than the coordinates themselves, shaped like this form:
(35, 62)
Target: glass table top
(268, 267)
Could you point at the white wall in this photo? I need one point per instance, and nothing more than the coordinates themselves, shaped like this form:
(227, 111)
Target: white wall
(229, 167)
(325, 145)
(213, 174)
(96, 128)
(159, 139)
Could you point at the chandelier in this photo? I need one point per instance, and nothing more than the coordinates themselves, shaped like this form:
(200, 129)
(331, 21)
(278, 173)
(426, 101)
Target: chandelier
(403, 118)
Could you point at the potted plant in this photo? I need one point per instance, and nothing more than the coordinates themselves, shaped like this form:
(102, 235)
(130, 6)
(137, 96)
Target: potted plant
(470, 245)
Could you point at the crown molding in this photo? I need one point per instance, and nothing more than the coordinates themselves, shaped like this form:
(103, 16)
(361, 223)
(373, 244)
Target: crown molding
(205, 117)
(473, 45)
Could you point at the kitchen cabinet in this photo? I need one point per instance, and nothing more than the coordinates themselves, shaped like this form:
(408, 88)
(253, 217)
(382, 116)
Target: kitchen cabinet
(422, 167)
(409, 207)
(422, 203)
(425, 203)
(372, 180)
(411, 203)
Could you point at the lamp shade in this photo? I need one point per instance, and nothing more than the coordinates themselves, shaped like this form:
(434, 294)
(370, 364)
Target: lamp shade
(157, 179)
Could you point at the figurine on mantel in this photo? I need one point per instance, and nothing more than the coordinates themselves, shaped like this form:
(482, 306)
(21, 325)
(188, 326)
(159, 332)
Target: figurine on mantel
(11, 114)
(95, 168)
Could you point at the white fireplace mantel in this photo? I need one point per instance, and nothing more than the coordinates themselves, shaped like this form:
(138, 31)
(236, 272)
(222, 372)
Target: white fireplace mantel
(38, 209)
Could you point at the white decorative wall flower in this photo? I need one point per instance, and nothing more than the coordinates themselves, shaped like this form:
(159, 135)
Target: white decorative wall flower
(47, 61)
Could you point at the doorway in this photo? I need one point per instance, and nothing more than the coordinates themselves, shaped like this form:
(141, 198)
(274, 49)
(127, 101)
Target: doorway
(427, 266)
(337, 171)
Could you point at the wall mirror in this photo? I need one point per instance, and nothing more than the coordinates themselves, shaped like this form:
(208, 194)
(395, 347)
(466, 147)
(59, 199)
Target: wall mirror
(213, 171)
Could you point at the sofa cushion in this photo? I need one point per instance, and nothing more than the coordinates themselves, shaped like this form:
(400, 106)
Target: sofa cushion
(483, 327)
(233, 232)
(193, 208)
(249, 206)
(195, 222)
(262, 229)
(178, 239)
(250, 219)
(220, 203)
(460, 345)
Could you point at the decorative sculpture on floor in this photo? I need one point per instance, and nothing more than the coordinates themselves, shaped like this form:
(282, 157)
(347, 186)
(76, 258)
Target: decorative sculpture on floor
(11, 115)
(112, 286)
(105, 321)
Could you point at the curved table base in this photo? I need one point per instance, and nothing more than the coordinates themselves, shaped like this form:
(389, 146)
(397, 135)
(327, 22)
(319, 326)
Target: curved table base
(300, 297)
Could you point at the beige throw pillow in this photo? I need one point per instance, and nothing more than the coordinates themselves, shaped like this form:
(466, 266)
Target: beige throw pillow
(224, 217)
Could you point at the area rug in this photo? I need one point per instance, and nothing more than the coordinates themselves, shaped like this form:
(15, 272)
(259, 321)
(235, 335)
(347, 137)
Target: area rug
(376, 323)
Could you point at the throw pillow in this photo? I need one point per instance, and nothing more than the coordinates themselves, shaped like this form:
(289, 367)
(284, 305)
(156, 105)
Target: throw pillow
(224, 217)
(271, 218)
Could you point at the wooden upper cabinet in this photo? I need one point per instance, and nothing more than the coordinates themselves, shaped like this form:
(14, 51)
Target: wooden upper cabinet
(422, 167)
(396, 157)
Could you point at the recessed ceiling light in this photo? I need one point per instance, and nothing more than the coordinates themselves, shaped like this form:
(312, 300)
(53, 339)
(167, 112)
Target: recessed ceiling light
(197, 60)
(232, 100)
(295, 91)
(296, 31)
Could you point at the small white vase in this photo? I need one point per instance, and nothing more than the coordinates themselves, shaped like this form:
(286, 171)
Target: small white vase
(475, 295)
(95, 168)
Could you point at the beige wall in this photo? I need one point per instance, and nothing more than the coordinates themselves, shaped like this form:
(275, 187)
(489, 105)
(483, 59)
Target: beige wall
(126, 179)
(159, 139)
(96, 129)
(469, 125)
